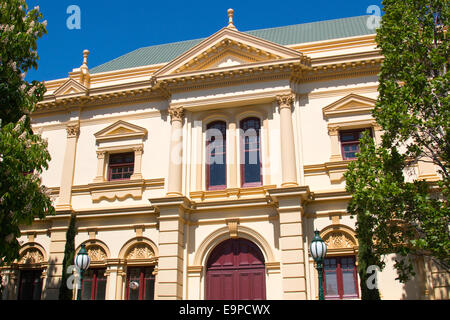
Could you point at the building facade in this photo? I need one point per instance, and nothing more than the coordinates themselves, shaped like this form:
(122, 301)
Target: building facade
(200, 169)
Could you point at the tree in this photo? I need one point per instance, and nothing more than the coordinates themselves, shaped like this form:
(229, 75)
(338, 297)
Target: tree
(23, 155)
(65, 293)
(397, 213)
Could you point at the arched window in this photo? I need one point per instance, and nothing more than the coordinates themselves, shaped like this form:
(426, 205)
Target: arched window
(216, 172)
(251, 152)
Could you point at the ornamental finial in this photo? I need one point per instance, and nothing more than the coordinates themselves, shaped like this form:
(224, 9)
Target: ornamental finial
(85, 57)
(230, 19)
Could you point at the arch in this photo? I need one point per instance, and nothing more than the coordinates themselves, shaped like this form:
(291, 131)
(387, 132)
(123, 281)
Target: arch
(216, 237)
(32, 253)
(252, 113)
(138, 242)
(97, 250)
(339, 239)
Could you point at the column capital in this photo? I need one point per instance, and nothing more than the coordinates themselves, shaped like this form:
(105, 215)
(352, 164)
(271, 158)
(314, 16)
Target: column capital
(333, 130)
(176, 113)
(73, 130)
(285, 100)
(138, 149)
(101, 154)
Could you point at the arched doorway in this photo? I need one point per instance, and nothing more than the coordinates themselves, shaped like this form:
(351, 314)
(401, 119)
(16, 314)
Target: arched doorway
(236, 271)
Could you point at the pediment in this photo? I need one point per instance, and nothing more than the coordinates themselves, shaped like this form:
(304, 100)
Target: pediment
(349, 105)
(120, 130)
(71, 87)
(226, 49)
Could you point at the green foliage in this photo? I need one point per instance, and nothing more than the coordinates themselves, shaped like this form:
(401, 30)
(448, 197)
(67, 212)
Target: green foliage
(23, 155)
(69, 254)
(397, 213)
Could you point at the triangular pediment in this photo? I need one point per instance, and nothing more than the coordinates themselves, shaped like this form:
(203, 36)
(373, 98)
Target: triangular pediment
(120, 130)
(349, 105)
(228, 48)
(71, 87)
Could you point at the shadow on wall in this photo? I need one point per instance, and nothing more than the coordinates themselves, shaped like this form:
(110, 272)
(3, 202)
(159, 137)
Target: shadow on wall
(50, 289)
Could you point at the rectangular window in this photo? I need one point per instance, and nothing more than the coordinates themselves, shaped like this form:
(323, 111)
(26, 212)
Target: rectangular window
(93, 286)
(30, 286)
(140, 283)
(121, 166)
(350, 143)
(251, 168)
(216, 170)
(340, 278)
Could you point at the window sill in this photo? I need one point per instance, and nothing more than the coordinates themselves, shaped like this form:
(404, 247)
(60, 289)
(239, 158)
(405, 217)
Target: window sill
(117, 190)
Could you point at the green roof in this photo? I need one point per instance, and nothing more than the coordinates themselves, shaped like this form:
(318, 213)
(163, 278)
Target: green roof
(294, 34)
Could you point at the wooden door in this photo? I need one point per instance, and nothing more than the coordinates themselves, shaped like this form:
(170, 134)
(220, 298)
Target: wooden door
(236, 271)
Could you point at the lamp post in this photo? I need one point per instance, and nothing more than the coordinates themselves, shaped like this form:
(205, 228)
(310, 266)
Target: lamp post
(318, 250)
(82, 261)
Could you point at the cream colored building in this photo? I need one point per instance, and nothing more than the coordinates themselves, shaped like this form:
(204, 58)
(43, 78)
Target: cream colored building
(129, 147)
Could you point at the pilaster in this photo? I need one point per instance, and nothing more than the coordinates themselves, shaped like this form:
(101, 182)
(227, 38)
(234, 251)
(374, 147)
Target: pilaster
(174, 184)
(65, 190)
(289, 203)
(169, 282)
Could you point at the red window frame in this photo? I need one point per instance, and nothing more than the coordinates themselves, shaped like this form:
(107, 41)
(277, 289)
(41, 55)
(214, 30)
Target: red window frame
(244, 127)
(355, 141)
(123, 164)
(208, 166)
(142, 278)
(97, 276)
(339, 279)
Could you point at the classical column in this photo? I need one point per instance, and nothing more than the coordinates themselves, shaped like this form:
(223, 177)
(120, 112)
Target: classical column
(65, 190)
(174, 184)
(137, 174)
(333, 132)
(288, 166)
(232, 159)
(100, 166)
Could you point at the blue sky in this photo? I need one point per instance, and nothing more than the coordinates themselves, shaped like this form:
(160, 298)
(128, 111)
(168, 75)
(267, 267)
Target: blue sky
(112, 28)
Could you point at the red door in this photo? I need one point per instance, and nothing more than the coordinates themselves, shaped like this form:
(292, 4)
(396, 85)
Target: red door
(236, 271)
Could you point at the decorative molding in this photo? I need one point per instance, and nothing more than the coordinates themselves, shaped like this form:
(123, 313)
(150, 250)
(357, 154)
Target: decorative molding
(31, 256)
(351, 104)
(285, 101)
(338, 240)
(117, 190)
(140, 251)
(232, 227)
(73, 130)
(176, 113)
(120, 130)
(96, 253)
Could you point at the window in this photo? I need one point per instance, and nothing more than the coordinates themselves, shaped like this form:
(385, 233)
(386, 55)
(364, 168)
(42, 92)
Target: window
(250, 152)
(216, 171)
(30, 286)
(350, 143)
(93, 285)
(340, 278)
(140, 283)
(121, 166)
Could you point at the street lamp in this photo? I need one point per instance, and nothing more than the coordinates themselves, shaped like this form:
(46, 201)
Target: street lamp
(82, 261)
(318, 250)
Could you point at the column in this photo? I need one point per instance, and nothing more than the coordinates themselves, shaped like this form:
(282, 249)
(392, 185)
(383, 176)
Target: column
(336, 155)
(100, 166)
(288, 165)
(121, 277)
(56, 257)
(290, 212)
(65, 190)
(232, 159)
(137, 174)
(174, 184)
(169, 282)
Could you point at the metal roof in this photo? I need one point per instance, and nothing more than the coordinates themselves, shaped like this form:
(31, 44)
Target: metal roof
(294, 34)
